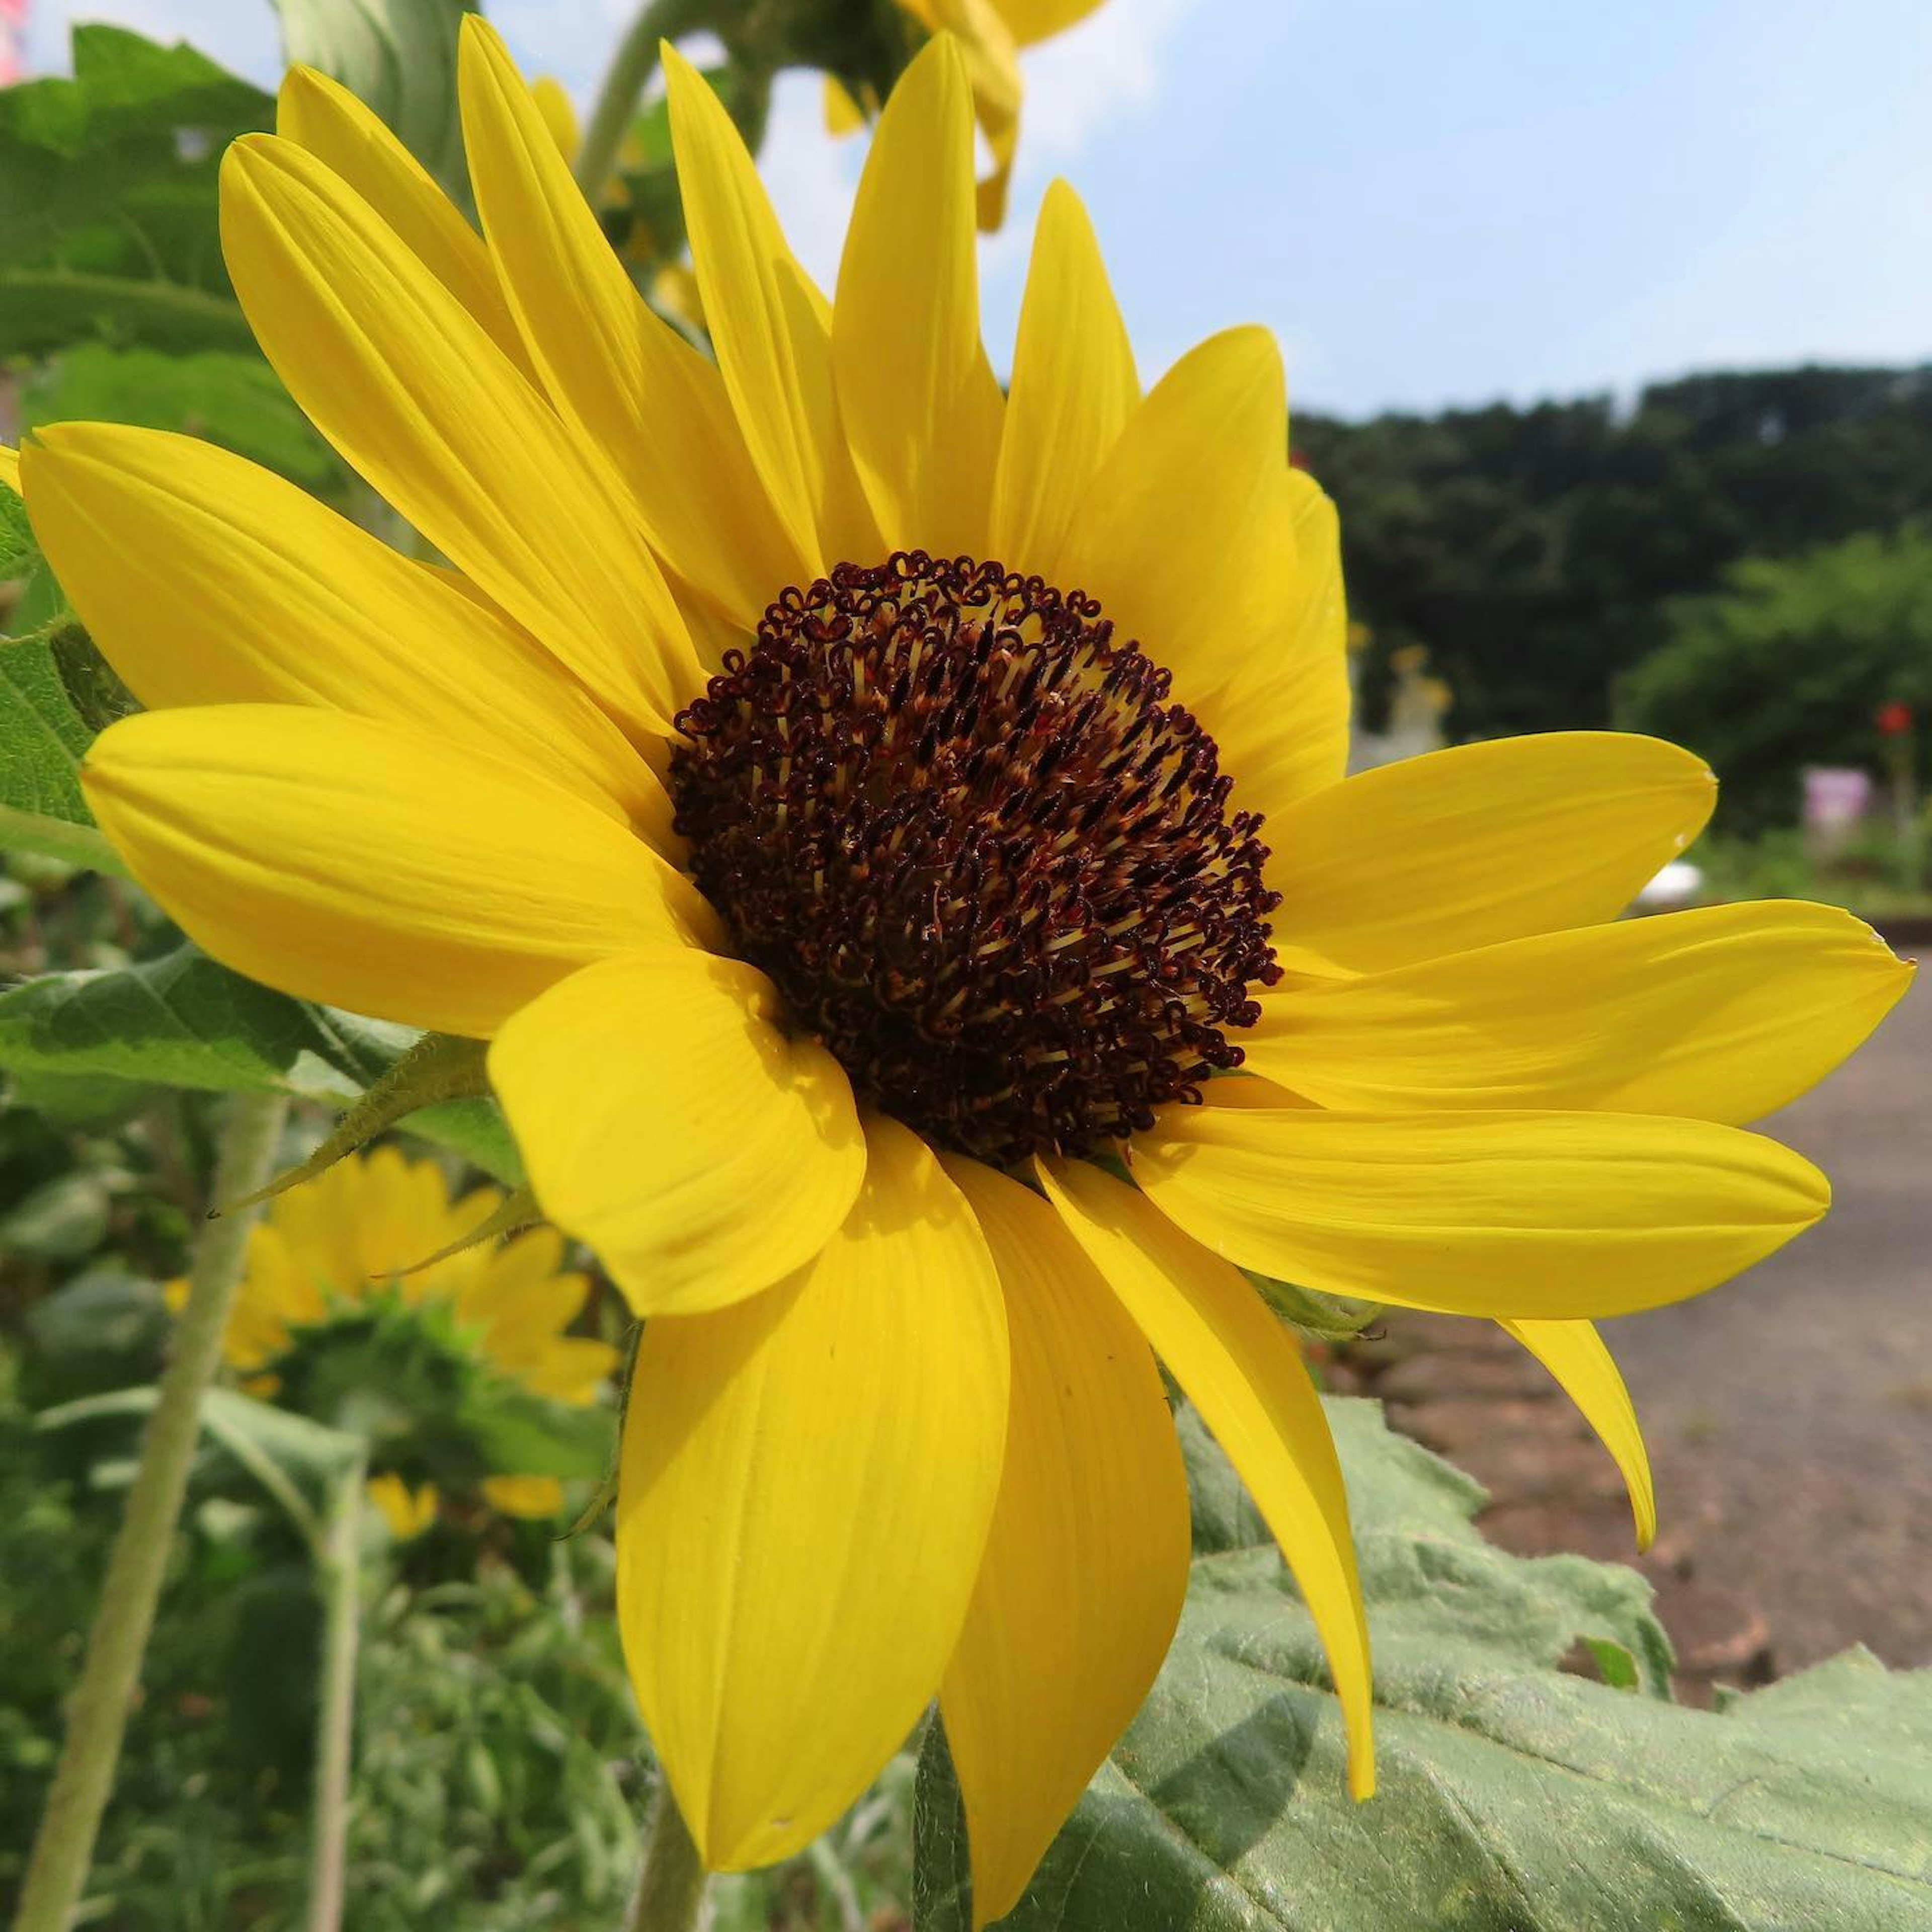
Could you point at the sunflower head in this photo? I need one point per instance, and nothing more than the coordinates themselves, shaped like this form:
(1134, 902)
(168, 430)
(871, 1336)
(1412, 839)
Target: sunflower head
(334, 1320)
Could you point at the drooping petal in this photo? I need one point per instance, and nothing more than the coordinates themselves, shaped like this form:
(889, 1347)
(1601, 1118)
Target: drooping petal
(209, 580)
(1281, 724)
(1074, 388)
(1551, 1215)
(667, 1119)
(916, 393)
(1242, 1369)
(1086, 1567)
(625, 381)
(807, 1480)
(1724, 1013)
(766, 320)
(352, 141)
(1484, 842)
(374, 866)
(1574, 1352)
(410, 389)
(1171, 536)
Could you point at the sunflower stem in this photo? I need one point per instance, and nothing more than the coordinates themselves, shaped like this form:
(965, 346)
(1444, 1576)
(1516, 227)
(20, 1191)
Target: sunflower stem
(634, 63)
(110, 1673)
(669, 1896)
(340, 1574)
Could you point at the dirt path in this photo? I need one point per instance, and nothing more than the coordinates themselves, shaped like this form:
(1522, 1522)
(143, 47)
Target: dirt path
(1789, 1415)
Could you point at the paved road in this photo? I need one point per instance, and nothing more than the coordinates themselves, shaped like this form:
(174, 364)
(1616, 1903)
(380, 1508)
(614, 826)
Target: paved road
(1789, 1414)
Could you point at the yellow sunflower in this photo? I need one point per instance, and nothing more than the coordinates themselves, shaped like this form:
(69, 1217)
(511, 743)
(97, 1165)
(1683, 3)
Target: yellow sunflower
(990, 33)
(894, 835)
(327, 1255)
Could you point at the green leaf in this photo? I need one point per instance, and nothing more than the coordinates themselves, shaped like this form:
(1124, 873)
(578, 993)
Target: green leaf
(234, 399)
(183, 1020)
(19, 549)
(42, 738)
(44, 309)
(399, 56)
(1515, 1797)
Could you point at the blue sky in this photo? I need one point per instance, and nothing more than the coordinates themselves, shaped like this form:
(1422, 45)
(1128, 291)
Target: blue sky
(1429, 202)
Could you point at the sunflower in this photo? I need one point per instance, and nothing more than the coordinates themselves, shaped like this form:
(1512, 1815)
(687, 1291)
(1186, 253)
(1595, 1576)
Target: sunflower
(323, 1295)
(894, 837)
(990, 33)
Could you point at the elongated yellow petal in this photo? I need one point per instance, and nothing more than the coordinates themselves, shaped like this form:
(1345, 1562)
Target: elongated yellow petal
(322, 115)
(843, 114)
(559, 111)
(916, 392)
(207, 581)
(807, 1484)
(1724, 1013)
(1075, 386)
(665, 1118)
(1282, 723)
(1086, 1568)
(374, 866)
(9, 469)
(1518, 1214)
(1242, 1369)
(535, 1497)
(1481, 843)
(1033, 20)
(628, 383)
(773, 346)
(410, 388)
(1574, 1352)
(1172, 535)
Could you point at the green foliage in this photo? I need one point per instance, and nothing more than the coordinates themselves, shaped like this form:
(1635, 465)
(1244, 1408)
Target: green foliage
(107, 206)
(1534, 550)
(42, 739)
(1787, 664)
(1514, 1795)
(398, 56)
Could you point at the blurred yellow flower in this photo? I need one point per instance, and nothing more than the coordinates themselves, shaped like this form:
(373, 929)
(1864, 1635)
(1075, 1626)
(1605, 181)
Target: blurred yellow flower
(892, 831)
(330, 1251)
(991, 33)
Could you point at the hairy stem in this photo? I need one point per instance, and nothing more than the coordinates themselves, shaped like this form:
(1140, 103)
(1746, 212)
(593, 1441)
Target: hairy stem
(98, 1715)
(670, 1889)
(340, 1568)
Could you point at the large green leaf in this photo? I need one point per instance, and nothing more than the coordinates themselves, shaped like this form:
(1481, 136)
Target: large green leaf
(183, 1020)
(399, 56)
(42, 738)
(107, 197)
(1515, 1797)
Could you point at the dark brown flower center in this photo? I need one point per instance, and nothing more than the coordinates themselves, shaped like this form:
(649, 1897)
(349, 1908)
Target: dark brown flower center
(982, 857)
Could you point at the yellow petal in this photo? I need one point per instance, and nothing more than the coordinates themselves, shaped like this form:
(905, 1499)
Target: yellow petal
(322, 115)
(772, 345)
(1484, 842)
(207, 581)
(376, 867)
(843, 114)
(1243, 1370)
(1086, 1568)
(407, 1511)
(1171, 536)
(626, 382)
(1281, 724)
(1035, 20)
(916, 392)
(538, 1497)
(572, 1369)
(752, 1154)
(559, 111)
(1724, 1013)
(9, 469)
(1518, 1214)
(807, 1482)
(1075, 386)
(412, 392)
(1574, 1352)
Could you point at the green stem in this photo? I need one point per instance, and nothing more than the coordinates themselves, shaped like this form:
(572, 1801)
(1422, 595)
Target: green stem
(340, 1573)
(97, 1716)
(670, 1889)
(634, 63)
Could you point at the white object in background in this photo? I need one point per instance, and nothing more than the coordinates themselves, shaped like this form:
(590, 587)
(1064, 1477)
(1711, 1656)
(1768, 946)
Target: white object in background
(1677, 884)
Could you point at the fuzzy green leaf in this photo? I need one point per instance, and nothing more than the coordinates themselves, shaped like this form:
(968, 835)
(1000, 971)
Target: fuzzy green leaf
(1515, 1797)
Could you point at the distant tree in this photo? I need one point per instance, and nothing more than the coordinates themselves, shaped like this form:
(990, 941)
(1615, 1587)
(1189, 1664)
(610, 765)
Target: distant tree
(1788, 665)
(1534, 550)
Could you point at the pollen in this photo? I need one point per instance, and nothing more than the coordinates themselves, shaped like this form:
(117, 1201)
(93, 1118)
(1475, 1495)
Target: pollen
(983, 856)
